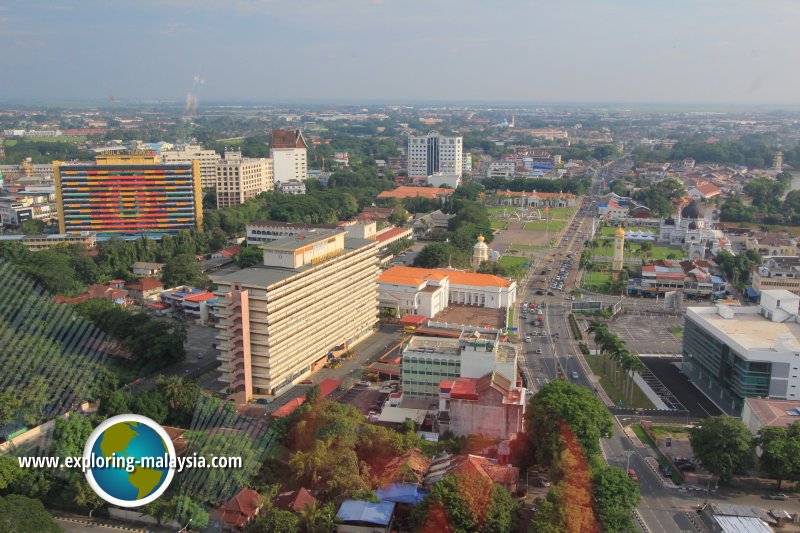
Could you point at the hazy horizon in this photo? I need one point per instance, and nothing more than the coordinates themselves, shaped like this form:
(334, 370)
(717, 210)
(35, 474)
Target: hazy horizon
(725, 53)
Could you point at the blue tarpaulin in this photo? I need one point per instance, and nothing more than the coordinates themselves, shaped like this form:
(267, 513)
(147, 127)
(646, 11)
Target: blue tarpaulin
(408, 493)
(751, 292)
(357, 511)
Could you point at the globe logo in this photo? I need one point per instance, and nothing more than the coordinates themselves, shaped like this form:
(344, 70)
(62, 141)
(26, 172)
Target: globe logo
(130, 460)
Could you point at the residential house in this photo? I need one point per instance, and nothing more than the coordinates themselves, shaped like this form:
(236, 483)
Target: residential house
(506, 476)
(145, 290)
(143, 268)
(294, 500)
(238, 512)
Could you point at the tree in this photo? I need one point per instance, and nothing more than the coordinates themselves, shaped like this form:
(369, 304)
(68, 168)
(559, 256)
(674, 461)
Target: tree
(10, 405)
(183, 269)
(616, 495)
(85, 496)
(9, 470)
(316, 518)
(34, 400)
(187, 509)
(780, 452)
(32, 227)
(20, 514)
(434, 255)
(150, 403)
(274, 521)
(116, 404)
(70, 435)
(722, 445)
(181, 396)
(250, 256)
(558, 401)
(549, 515)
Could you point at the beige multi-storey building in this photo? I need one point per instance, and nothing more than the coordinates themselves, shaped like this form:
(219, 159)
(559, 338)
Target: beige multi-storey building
(316, 294)
(289, 153)
(188, 153)
(241, 178)
(778, 273)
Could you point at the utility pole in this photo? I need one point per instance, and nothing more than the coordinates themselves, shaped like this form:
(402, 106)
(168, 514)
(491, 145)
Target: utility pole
(628, 464)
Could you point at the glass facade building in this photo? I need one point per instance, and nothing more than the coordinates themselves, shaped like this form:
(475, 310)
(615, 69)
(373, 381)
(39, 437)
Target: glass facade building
(721, 371)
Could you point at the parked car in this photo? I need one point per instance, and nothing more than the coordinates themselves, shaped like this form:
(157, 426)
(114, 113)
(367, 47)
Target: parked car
(528, 338)
(632, 475)
(263, 401)
(778, 496)
(574, 375)
(538, 350)
(666, 471)
(542, 481)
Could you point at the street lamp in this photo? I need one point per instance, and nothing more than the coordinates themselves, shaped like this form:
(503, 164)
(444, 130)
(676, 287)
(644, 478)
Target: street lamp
(185, 528)
(628, 464)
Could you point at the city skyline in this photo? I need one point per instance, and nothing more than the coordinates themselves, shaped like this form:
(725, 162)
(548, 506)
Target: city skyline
(729, 53)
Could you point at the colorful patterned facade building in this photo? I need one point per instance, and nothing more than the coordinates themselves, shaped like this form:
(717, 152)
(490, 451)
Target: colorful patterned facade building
(131, 193)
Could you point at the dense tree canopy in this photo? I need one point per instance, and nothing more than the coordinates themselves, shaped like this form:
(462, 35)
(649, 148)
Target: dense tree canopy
(723, 445)
(780, 452)
(20, 514)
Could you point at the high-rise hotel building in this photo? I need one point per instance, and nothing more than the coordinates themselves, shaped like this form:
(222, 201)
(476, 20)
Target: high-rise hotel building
(432, 153)
(315, 293)
(130, 193)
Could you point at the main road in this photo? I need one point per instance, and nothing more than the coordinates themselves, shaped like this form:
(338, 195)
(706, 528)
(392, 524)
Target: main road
(663, 509)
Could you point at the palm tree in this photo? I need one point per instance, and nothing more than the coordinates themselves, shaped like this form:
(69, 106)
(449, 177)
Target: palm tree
(635, 365)
(307, 464)
(309, 517)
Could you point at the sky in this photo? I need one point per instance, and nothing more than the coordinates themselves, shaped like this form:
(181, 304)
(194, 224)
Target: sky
(620, 51)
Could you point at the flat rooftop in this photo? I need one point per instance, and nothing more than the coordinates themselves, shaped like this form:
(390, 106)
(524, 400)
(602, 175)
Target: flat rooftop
(749, 329)
(265, 276)
(434, 345)
(300, 240)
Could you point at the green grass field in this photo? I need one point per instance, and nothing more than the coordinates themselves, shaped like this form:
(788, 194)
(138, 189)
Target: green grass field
(609, 231)
(513, 262)
(497, 211)
(527, 247)
(657, 252)
(559, 213)
(232, 141)
(498, 224)
(541, 225)
(598, 281)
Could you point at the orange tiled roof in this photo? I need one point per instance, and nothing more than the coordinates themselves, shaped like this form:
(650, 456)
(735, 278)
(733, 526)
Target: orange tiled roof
(405, 191)
(417, 276)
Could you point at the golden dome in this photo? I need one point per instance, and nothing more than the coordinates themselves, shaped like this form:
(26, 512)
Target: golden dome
(620, 232)
(480, 238)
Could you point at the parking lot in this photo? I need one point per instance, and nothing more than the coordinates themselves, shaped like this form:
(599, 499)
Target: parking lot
(362, 398)
(648, 336)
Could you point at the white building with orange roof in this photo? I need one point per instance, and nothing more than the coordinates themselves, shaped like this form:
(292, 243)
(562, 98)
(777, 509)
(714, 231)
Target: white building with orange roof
(428, 291)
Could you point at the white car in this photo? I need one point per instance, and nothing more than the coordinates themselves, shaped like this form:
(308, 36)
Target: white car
(528, 338)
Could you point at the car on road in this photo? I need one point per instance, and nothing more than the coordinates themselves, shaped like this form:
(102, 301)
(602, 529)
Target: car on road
(574, 375)
(263, 401)
(542, 481)
(632, 475)
(540, 292)
(778, 496)
(365, 383)
(666, 471)
(550, 293)
(200, 355)
(528, 338)
(538, 350)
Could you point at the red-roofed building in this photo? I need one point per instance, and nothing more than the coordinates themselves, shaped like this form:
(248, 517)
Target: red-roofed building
(233, 251)
(490, 406)
(704, 191)
(405, 191)
(392, 235)
(326, 387)
(189, 302)
(145, 290)
(294, 500)
(506, 476)
(112, 292)
(239, 511)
